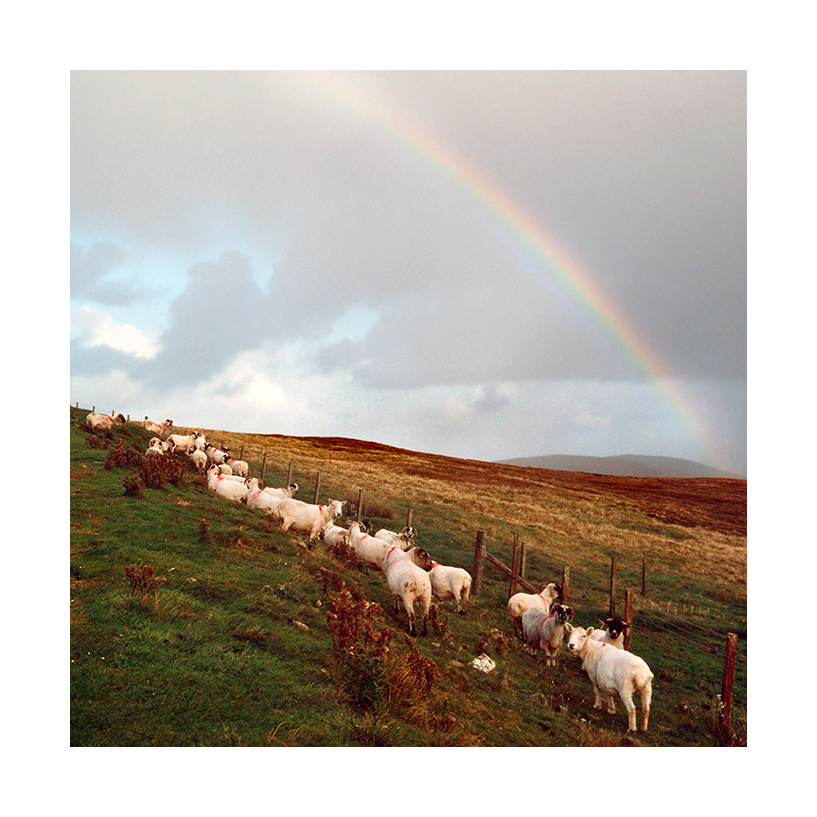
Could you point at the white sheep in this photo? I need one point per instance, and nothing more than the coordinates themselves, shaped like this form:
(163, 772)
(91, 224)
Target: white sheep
(613, 633)
(216, 455)
(519, 602)
(95, 422)
(372, 550)
(305, 518)
(240, 467)
(181, 442)
(157, 428)
(234, 489)
(545, 631)
(226, 470)
(214, 474)
(613, 672)
(408, 534)
(227, 486)
(283, 493)
(335, 535)
(451, 583)
(409, 583)
(257, 498)
(198, 458)
(155, 448)
(200, 441)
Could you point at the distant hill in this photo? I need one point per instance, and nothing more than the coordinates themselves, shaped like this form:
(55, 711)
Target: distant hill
(626, 465)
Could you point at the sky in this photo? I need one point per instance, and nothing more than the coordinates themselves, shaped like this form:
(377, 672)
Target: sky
(477, 263)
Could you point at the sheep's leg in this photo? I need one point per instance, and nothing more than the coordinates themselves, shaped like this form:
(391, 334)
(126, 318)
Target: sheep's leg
(627, 700)
(597, 702)
(412, 620)
(646, 696)
(611, 704)
(462, 602)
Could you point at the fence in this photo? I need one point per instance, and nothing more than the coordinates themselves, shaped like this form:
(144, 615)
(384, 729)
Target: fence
(515, 573)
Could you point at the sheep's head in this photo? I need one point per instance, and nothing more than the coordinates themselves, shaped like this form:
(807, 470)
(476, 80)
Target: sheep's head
(615, 626)
(292, 488)
(563, 612)
(553, 590)
(577, 638)
(421, 557)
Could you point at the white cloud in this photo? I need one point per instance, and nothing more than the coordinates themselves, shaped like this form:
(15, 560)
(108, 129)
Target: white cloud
(95, 328)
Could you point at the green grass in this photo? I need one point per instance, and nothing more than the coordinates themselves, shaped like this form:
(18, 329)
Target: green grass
(214, 657)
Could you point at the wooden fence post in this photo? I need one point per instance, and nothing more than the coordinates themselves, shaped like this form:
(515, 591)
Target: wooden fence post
(565, 584)
(523, 561)
(725, 714)
(317, 488)
(289, 474)
(514, 565)
(612, 586)
(264, 467)
(359, 504)
(479, 563)
(628, 617)
(241, 452)
(408, 518)
(644, 575)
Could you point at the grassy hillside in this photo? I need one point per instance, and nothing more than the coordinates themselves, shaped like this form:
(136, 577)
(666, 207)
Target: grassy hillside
(195, 621)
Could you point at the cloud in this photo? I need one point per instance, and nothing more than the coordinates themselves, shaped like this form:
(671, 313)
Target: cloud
(221, 312)
(94, 328)
(96, 274)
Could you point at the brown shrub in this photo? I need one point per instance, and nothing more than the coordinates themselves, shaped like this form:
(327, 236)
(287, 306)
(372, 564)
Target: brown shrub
(157, 471)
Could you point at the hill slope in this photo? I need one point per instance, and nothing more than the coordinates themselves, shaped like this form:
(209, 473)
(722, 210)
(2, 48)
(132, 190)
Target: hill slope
(626, 465)
(237, 641)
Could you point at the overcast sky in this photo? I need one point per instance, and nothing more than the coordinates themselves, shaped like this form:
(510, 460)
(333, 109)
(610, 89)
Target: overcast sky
(485, 264)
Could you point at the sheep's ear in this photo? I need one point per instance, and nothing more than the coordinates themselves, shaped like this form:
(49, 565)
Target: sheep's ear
(568, 626)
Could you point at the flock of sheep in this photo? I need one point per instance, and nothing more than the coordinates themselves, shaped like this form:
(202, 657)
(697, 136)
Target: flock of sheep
(412, 576)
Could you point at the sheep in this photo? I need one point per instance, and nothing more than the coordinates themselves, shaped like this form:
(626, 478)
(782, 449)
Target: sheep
(389, 535)
(157, 428)
(613, 634)
(613, 672)
(155, 448)
(305, 518)
(545, 631)
(372, 550)
(216, 455)
(200, 441)
(214, 473)
(518, 603)
(240, 467)
(409, 583)
(336, 536)
(257, 498)
(451, 583)
(283, 493)
(233, 488)
(198, 458)
(181, 442)
(95, 422)
(226, 470)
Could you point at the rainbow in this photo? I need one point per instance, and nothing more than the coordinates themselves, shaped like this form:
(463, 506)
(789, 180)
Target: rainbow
(525, 230)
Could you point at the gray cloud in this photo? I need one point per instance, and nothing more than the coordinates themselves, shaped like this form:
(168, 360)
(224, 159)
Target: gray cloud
(96, 274)
(221, 313)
